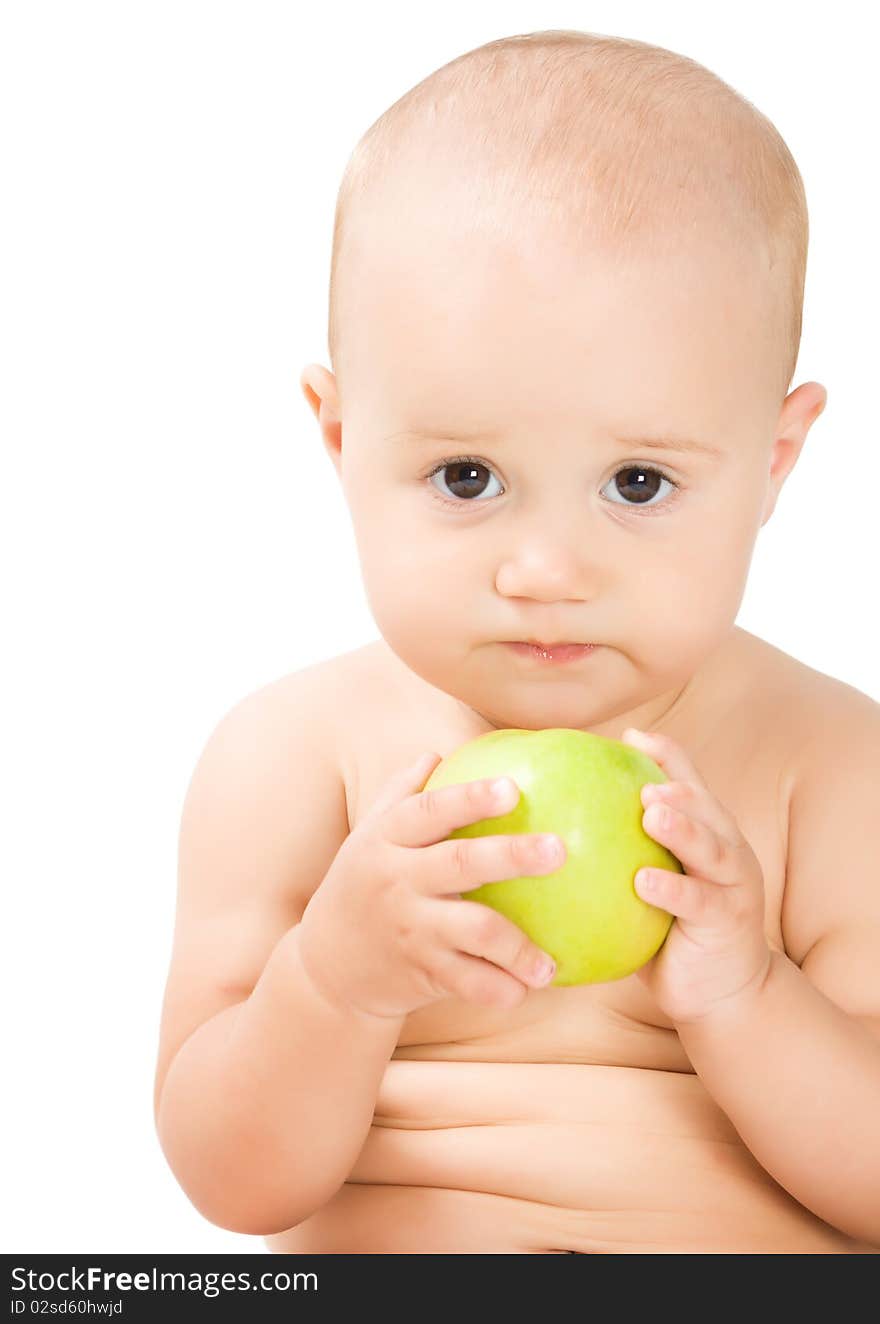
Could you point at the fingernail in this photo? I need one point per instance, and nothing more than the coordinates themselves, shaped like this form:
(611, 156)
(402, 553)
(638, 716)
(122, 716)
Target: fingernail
(545, 970)
(658, 816)
(550, 848)
(650, 792)
(502, 788)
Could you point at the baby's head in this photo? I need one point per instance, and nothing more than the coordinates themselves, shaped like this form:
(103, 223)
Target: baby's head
(565, 311)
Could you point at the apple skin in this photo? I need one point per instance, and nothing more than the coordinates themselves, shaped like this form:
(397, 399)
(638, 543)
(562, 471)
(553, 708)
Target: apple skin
(586, 789)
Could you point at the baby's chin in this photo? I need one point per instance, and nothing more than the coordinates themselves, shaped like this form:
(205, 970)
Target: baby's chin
(523, 718)
(495, 687)
(527, 695)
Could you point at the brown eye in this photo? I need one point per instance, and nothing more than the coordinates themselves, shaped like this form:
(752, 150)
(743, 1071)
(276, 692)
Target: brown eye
(465, 478)
(637, 485)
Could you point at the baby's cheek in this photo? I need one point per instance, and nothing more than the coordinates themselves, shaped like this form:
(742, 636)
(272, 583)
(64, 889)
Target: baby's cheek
(414, 608)
(678, 620)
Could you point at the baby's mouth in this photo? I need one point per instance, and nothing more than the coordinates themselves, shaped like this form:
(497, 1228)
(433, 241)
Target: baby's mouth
(558, 652)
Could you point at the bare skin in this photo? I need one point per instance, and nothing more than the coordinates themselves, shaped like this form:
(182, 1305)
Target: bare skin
(576, 1122)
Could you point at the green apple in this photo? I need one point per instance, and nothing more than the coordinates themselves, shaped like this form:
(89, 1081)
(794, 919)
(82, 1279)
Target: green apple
(585, 789)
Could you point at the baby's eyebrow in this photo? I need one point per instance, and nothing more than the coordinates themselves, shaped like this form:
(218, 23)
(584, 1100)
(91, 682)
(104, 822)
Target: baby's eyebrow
(682, 444)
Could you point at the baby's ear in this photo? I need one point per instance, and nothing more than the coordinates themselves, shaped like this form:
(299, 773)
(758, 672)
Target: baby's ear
(318, 385)
(798, 414)
(320, 389)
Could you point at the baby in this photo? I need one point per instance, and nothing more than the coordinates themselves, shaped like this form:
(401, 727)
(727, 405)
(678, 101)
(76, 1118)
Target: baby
(565, 312)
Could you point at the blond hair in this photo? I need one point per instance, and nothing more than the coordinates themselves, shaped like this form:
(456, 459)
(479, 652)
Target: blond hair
(625, 143)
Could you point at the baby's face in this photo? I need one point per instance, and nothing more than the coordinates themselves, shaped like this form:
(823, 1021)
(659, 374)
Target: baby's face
(507, 457)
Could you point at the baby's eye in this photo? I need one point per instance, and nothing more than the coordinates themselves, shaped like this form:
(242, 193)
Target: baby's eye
(634, 485)
(466, 479)
(637, 486)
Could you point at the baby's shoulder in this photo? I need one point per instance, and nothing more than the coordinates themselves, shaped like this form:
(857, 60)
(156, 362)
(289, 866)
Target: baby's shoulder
(824, 716)
(324, 709)
(807, 715)
(321, 693)
(270, 785)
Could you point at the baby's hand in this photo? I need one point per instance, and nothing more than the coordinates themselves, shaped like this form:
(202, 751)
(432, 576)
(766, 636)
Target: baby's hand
(717, 949)
(387, 932)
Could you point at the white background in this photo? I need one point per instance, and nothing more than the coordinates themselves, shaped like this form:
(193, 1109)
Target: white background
(173, 534)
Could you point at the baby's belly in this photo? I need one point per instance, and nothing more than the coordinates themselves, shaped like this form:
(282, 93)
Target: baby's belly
(537, 1158)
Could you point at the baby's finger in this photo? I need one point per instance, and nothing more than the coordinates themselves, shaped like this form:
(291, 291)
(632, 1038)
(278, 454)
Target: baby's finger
(666, 753)
(694, 901)
(429, 817)
(478, 930)
(404, 783)
(477, 981)
(698, 801)
(450, 867)
(700, 850)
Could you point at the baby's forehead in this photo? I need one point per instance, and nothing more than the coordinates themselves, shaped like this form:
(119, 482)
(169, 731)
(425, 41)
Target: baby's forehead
(447, 268)
(504, 359)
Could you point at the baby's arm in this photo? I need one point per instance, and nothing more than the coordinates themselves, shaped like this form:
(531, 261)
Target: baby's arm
(796, 1066)
(265, 1088)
